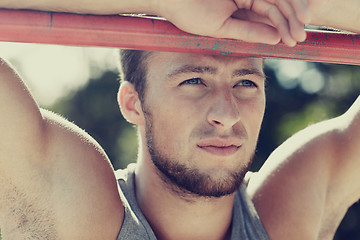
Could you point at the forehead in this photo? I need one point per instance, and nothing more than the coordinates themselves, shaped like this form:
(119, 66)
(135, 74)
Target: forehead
(169, 63)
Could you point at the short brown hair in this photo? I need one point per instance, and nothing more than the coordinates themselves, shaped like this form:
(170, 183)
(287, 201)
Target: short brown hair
(133, 69)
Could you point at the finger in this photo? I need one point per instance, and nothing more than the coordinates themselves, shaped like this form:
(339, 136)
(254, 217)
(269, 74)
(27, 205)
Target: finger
(248, 31)
(246, 4)
(302, 10)
(296, 27)
(277, 19)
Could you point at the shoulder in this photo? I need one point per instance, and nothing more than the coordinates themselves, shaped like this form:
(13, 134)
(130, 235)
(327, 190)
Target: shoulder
(292, 188)
(82, 177)
(76, 182)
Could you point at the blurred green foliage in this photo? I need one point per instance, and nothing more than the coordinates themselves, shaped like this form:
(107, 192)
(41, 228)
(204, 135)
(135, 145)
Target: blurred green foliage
(95, 109)
(289, 109)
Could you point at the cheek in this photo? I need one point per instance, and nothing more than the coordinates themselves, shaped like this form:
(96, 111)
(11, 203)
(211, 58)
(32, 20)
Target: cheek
(178, 112)
(169, 128)
(254, 113)
(172, 118)
(174, 124)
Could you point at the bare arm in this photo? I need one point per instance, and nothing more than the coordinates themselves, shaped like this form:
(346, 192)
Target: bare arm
(311, 180)
(84, 6)
(345, 178)
(51, 173)
(210, 17)
(344, 15)
(21, 123)
(270, 21)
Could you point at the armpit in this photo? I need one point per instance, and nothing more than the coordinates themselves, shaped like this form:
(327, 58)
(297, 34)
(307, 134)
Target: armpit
(25, 217)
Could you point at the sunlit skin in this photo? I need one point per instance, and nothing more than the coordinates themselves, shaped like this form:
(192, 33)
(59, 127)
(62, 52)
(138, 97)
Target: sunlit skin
(57, 182)
(206, 114)
(206, 111)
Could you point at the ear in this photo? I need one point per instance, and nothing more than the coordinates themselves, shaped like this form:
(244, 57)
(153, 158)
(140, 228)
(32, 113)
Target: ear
(130, 104)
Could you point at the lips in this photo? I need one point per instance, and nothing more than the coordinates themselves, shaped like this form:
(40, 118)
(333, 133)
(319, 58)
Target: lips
(220, 147)
(221, 151)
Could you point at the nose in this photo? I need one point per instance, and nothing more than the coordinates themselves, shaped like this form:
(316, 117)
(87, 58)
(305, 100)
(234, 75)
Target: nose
(224, 112)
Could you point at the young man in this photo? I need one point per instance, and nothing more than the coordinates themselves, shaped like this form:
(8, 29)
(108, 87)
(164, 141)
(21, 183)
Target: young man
(198, 119)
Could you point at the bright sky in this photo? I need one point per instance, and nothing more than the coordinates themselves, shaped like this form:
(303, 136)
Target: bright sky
(50, 71)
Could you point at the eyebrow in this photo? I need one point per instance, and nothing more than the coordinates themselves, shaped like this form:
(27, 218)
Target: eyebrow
(193, 69)
(213, 70)
(248, 71)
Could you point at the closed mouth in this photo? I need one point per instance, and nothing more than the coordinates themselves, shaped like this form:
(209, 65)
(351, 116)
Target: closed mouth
(220, 150)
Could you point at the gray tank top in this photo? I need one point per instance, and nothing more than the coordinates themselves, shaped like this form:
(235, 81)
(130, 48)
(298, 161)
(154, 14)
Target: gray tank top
(246, 224)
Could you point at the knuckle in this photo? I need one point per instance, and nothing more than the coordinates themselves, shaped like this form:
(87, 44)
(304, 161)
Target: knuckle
(247, 4)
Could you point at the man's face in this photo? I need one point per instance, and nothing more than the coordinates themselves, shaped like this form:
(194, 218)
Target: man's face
(203, 116)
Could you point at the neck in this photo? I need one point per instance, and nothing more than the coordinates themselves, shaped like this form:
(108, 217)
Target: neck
(181, 217)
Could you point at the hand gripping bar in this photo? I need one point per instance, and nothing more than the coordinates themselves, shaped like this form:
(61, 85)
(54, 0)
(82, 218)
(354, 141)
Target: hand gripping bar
(155, 34)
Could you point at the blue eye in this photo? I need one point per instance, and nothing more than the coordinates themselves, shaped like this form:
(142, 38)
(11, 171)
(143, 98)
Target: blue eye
(246, 83)
(192, 81)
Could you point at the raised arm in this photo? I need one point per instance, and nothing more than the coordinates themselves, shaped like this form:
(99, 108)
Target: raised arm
(84, 6)
(265, 21)
(21, 123)
(205, 17)
(344, 183)
(311, 180)
(51, 173)
(343, 15)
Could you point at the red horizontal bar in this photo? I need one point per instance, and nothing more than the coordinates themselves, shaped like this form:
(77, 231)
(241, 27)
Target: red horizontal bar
(159, 35)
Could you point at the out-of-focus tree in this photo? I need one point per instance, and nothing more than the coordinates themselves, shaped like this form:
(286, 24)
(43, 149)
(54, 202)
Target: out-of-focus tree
(95, 109)
(298, 94)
